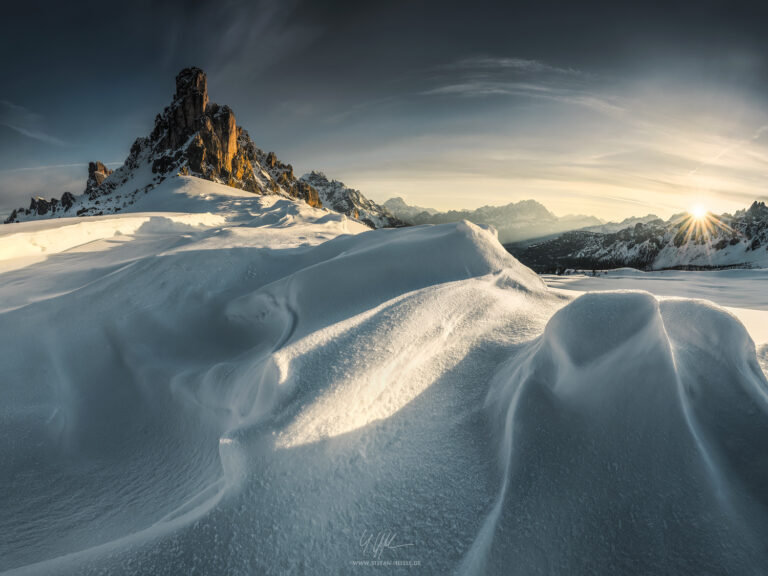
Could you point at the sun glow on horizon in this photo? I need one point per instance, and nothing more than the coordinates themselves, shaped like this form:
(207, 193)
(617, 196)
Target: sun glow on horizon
(702, 228)
(698, 212)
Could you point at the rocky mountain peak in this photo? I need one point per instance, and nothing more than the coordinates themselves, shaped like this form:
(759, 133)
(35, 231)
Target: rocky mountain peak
(195, 136)
(758, 209)
(318, 176)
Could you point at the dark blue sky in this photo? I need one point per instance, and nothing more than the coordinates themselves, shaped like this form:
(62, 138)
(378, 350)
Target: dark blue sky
(606, 108)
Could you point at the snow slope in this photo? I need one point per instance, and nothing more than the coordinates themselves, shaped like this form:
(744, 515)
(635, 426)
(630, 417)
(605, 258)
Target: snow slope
(227, 383)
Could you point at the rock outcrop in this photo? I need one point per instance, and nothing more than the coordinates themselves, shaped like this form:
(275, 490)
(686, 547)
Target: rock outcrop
(67, 200)
(41, 207)
(97, 173)
(196, 136)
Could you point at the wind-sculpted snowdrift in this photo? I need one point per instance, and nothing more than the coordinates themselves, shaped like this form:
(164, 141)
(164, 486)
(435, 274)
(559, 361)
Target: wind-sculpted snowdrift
(276, 392)
(633, 437)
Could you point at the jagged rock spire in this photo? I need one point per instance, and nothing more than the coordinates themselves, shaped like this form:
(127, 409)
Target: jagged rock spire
(189, 105)
(192, 84)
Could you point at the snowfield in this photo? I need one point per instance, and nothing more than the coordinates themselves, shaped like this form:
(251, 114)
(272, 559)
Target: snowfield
(224, 383)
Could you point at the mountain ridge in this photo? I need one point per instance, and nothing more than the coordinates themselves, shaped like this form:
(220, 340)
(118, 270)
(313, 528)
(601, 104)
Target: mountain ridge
(339, 197)
(515, 221)
(724, 241)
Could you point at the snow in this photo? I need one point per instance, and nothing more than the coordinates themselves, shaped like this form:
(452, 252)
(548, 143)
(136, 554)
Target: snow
(740, 291)
(630, 436)
(217, 382)
(707, 255)
(736, 289)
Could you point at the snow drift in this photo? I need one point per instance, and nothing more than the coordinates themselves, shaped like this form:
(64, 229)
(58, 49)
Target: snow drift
(632, 437)
(250, 385)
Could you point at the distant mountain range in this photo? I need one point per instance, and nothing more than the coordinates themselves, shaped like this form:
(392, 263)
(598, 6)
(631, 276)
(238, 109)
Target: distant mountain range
(609, 227)
(405, 211)
(738, 240)
(514, 222)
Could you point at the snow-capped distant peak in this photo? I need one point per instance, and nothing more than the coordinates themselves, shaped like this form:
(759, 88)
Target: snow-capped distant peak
(336, 196)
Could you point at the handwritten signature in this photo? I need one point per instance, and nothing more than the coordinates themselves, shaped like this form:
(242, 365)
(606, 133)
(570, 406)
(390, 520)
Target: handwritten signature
(375, 543)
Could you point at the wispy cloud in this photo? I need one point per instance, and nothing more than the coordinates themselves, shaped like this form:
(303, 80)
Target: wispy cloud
(732, 147)
(511, 63)
(27, 123)
(251, 27)
(480, 88)
(488, 88)
(487, 76)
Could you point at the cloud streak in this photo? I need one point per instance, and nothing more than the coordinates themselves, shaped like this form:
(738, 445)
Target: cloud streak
(511, 64)
(485, 76)
(482, 88)
(27, 123)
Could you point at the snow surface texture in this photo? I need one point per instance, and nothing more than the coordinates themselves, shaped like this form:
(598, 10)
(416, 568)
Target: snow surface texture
(225, 384)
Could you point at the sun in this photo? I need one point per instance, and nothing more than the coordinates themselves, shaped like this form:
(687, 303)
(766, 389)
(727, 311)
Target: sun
(698, 212)
(701, 227)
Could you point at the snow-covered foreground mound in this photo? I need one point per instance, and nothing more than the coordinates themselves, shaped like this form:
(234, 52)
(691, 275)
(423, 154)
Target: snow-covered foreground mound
(633, 437)
(247, 385)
